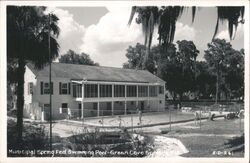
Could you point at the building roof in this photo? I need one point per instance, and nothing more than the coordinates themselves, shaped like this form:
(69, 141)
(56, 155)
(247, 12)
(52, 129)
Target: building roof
(95, 73)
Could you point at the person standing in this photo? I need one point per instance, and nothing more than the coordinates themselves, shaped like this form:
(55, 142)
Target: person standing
(69, 113)
(139, 114)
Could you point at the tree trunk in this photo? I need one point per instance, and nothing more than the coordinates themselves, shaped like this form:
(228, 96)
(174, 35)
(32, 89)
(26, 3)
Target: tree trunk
(217, 85)
(20, 98)
(145, 60)
(217, 88)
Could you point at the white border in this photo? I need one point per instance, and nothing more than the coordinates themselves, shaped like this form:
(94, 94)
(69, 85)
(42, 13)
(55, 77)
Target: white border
(204, 3)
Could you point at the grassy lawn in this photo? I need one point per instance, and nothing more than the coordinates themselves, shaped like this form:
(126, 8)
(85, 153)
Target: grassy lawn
(214, 138)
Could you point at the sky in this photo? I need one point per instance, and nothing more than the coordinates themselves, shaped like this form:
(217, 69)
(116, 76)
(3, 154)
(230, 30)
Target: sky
(103, 33)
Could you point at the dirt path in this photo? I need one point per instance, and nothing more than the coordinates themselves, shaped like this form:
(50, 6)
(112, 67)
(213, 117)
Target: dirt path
(167, 147)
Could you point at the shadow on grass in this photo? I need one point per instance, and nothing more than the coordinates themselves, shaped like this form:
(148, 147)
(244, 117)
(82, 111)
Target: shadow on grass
(236, 144)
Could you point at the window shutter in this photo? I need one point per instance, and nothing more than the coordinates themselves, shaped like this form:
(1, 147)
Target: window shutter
(52, 88)
(69, 88)
(41, 88)
(60, 86)
(31, 88)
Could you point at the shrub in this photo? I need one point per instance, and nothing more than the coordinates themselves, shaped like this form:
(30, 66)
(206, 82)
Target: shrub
(34, 138)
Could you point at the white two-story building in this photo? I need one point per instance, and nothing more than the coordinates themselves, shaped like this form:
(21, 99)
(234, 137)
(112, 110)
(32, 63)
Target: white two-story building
(89, 91)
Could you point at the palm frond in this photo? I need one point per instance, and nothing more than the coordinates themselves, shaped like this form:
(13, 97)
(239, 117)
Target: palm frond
(132, 14)
(232, 15)
(193, 13)
(27, 34)
(216, 27)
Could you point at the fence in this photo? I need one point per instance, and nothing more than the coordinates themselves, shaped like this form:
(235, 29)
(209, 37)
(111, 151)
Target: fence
(76, 113)
(221, 106)
(32, 111)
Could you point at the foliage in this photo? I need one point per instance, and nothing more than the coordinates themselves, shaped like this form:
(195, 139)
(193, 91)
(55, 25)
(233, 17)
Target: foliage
(177, 67)
(149, 17)
(165, 18)
(29, 33)
(234, 75)
(228, 66)
(135, 57)
(74, 58)
(205, 80)
(232, 15)
(34, 138)
(183, 74)
(12, 66)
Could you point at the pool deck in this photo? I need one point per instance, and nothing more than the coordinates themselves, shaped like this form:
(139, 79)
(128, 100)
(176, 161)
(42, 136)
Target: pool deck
(132, 120)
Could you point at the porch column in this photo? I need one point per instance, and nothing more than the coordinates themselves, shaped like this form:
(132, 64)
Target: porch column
(112, 102)
(112, 107)
(125, 107)
(42, 115)
(113, 90)
(125, 91)
(137, 95)
(98, 109)
(98, 90)
(148, 100)
(125, 102)
(158, 101)
(98, 96)
(164, 93)
(82, 103)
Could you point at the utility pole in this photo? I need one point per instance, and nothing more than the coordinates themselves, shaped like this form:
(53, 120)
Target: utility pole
(200, 117)
(240, 116)
(50, 90)
(169, 119)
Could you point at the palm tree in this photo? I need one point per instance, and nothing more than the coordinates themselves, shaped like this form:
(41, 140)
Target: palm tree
(28, 38)
(165, 19)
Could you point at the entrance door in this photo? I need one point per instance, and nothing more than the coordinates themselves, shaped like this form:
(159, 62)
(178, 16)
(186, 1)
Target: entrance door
(46, 110)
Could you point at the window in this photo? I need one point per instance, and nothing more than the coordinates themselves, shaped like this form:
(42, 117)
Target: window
(161, 89)
(77, 90)
(142, 91)
(105, 90)
(90, 90)
(65, 108)
(131, 91)
(152, 91)
(119, 91)
(64, 88)
(30, 88)
(45, 88)
(95, 106)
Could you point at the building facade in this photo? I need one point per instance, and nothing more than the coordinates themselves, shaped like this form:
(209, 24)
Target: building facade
(80, 91)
